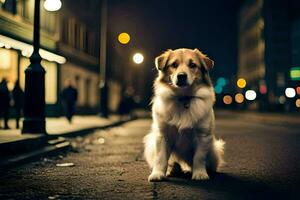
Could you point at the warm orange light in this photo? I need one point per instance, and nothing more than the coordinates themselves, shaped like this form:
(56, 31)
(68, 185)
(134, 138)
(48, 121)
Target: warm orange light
(124, 38)
(239, 98)
(298, 90)
(298, 103)
(227, 99)
(241, 83)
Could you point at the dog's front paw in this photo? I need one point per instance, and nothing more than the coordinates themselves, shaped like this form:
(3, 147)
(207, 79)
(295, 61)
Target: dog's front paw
(200, 175)
(156, 176)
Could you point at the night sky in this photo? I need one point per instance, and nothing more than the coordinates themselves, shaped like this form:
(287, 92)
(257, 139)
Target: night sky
(155, 26)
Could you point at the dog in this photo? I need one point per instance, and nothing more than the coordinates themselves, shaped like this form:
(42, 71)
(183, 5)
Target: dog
(182, 131)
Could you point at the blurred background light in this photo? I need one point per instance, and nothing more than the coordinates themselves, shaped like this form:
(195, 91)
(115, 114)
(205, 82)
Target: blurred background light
(298, 90)
(124, 38)
(290, 92)
(250, 95)
(52, 5)
(239, 98)
(263, 89)
(241, 83)
(297, 103)
(295, 73)
(218, 89)
(227, 99)
(221, 81)
(138, 58)
(281, 99)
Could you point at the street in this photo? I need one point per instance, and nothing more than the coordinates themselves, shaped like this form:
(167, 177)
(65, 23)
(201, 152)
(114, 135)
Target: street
(262, 163)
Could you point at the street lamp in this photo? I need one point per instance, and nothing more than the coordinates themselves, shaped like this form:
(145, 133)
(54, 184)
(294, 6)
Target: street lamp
(138, 58)
(124, 38)
(34, 101)
(52, 5)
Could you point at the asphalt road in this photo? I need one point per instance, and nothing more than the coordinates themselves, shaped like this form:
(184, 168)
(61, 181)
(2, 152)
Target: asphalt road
(262, 163)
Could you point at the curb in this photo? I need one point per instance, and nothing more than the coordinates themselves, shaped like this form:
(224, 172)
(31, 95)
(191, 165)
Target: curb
(32, 149)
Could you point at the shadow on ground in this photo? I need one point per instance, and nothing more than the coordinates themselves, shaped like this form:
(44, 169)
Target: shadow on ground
(232, 187)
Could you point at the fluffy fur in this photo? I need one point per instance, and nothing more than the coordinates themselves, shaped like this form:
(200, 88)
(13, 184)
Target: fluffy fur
(183, 119)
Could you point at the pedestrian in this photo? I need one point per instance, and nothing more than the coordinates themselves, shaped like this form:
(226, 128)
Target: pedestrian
(69, 98)
(127, 103)
(18, 97)
(4, 102)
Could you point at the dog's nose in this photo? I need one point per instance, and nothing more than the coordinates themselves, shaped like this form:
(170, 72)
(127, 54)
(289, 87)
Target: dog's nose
(181, 79)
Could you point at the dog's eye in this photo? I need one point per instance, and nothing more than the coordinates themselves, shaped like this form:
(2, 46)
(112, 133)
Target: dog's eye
(192, 65)
(174, 65)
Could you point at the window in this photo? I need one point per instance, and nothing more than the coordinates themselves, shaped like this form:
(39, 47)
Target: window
(9, 5)
(28, 8)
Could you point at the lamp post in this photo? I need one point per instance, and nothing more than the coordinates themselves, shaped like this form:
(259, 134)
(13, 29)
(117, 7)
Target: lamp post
(103, 72)
(34, 104)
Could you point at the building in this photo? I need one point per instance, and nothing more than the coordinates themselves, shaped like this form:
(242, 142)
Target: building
(69, 49)
(268, 35)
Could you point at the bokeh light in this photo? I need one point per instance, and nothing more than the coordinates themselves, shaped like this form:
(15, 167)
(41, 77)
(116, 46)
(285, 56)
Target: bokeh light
(227, 99)
(138, 58)
(290, 92)
(241, 83)
(297, 103)
(239, 98)
(263, 89)
(250, 95)
(298, 90)
(124, 38)
(221, 81)
(218, 89)
(282, 99)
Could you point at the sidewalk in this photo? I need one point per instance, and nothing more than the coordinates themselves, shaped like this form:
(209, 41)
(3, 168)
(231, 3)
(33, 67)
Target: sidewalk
(59, 127)
(17, 148)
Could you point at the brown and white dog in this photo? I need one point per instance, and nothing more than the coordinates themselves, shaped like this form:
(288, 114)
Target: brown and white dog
(182, 131)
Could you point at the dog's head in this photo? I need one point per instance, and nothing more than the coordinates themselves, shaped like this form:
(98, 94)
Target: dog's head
(181, 68)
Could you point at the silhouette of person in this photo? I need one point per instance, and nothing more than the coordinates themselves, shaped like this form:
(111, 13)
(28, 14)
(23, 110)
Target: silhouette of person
(18, 97)
(4, 102)
(127, 103)
(69, 98)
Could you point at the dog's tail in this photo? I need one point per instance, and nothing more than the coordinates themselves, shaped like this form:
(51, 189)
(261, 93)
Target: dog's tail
(149, 151)
(216, 155)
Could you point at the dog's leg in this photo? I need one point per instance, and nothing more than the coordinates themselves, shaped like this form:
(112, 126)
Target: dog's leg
(161, 160)
(203, 143)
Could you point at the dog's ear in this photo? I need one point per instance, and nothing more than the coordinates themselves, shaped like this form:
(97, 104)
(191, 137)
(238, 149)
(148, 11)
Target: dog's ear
(205, 61)
(161, 61)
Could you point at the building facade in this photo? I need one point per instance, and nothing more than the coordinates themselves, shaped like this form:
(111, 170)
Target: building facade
(69, 49)
(267, 45)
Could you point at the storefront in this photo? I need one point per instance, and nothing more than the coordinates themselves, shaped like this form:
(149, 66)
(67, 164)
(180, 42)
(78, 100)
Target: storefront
(14, 59)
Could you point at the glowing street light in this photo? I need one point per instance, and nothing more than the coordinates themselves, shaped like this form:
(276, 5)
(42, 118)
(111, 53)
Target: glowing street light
(290, 92)
(241, 83)
(52, 5)
(138, 58)
(124, 38)
(250, 95)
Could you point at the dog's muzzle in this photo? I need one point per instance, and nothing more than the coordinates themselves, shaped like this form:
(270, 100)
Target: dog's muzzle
(181, 79)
